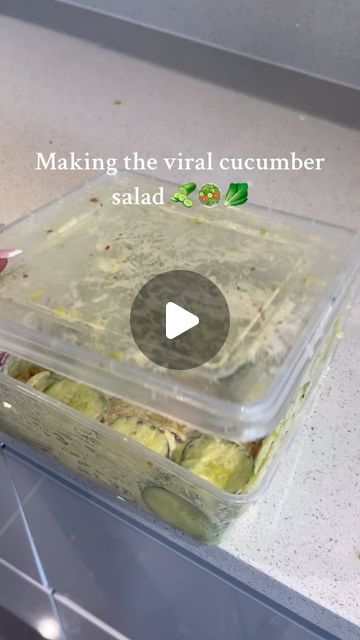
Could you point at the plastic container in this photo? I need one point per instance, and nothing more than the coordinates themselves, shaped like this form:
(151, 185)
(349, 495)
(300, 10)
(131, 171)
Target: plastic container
(287, 282)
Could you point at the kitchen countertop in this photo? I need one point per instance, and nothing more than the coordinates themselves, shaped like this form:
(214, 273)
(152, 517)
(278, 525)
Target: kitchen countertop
(300, 545)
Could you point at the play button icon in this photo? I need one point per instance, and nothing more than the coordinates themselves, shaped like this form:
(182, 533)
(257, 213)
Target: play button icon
(180, 319)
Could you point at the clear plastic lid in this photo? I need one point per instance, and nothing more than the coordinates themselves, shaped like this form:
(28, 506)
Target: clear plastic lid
(65, 302)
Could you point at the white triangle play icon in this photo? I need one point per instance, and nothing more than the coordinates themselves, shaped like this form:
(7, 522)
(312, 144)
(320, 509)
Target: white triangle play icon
(178, 320)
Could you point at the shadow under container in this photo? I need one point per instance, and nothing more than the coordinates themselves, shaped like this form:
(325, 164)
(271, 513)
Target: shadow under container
(287, 282)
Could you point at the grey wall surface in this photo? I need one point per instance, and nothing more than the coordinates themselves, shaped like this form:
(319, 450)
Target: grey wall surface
(320, 37)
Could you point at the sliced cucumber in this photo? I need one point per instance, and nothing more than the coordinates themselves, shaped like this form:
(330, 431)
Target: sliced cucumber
(177, 452)
(178, 512)
(262, 457)
(126, 425)
(80, 397)
(21, 369)
(42, 380)
(154, 439)
(143, 432)
(121, 409)
(227, 465)
(265, 451)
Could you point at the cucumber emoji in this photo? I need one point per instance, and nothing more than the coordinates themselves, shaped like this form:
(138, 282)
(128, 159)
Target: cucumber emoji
(182, 194)
(187, 188)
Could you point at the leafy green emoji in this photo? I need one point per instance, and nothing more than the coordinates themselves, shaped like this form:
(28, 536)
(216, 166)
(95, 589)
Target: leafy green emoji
(237, 194)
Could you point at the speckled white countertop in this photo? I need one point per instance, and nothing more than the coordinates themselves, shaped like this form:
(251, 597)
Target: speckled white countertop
(300, 544)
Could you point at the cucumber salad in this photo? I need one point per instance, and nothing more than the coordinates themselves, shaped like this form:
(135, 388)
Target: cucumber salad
(227, 465)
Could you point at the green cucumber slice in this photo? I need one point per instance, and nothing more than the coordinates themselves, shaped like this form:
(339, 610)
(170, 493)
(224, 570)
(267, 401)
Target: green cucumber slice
(177, 452)
(126, 425)
(42, 380)
(178, 512)
(21, 369)
(79, 397)
(144, 432)
(188, 203)
(227, 465)
(181, 197)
